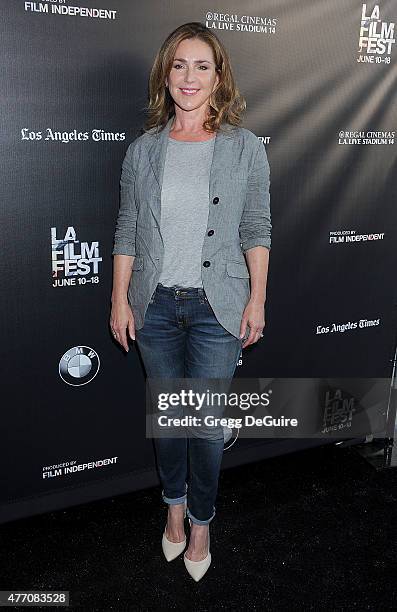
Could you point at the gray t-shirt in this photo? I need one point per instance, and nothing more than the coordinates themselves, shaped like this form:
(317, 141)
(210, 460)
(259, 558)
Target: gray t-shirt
(184, 210)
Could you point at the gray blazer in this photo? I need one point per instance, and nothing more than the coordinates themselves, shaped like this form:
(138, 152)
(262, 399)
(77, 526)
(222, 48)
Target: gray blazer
(238, 219)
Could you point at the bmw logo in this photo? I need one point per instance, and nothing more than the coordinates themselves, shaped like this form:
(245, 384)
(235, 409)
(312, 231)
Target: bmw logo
(79, 365)
(229, 437)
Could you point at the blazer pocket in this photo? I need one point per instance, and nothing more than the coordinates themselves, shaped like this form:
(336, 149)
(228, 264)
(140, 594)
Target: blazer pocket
(137, 263)
(237, 268)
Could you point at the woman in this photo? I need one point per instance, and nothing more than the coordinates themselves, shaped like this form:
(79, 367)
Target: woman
(194, 199)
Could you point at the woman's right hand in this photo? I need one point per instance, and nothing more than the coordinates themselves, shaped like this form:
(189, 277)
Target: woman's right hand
(121, 319)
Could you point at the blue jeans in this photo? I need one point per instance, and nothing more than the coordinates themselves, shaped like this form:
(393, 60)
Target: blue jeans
(181, 338)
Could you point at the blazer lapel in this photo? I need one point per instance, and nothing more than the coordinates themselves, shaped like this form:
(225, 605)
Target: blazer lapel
(157, 154)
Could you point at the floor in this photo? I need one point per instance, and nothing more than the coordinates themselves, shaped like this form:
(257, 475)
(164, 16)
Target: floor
(307, 531)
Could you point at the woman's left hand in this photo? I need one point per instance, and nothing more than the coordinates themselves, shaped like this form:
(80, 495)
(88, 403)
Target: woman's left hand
(254, 317)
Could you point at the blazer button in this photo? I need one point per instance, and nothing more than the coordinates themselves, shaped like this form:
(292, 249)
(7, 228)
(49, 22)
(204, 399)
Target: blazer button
(206, 264)
(211, 232)
(215, 200)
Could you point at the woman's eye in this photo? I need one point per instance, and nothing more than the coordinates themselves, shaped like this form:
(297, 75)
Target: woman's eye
(202, 66)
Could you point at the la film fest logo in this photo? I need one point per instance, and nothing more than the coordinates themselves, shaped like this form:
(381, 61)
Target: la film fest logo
(376, 37)
(73, 261)
(339, 409)
(79, 365)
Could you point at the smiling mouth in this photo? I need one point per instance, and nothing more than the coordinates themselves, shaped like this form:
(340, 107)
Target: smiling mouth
(189, 92)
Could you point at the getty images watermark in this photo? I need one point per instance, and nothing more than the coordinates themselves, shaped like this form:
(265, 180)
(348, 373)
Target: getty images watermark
(266, 407)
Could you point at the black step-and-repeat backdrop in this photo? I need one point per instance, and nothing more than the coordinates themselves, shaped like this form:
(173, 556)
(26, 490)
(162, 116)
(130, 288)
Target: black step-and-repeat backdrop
(320, 83)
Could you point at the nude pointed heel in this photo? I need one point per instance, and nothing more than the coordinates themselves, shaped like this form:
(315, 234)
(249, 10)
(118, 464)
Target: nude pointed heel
(197, 569)
(171, 550)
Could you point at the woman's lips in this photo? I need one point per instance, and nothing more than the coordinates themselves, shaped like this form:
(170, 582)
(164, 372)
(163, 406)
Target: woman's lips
(189, 92)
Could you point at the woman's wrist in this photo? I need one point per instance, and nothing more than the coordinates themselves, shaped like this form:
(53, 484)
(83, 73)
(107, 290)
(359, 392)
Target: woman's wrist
(258, 301)
(119, 298)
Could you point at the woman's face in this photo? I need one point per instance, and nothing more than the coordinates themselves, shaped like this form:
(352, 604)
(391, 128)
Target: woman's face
(193, 69)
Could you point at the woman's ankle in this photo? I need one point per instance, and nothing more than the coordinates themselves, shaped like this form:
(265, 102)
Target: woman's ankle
(176, 507)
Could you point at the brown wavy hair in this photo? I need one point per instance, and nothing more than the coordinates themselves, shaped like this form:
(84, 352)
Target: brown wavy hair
(226, 102)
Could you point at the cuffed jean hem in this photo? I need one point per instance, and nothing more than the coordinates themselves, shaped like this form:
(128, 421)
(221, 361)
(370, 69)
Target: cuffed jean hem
(196, 520)
(174, 500)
